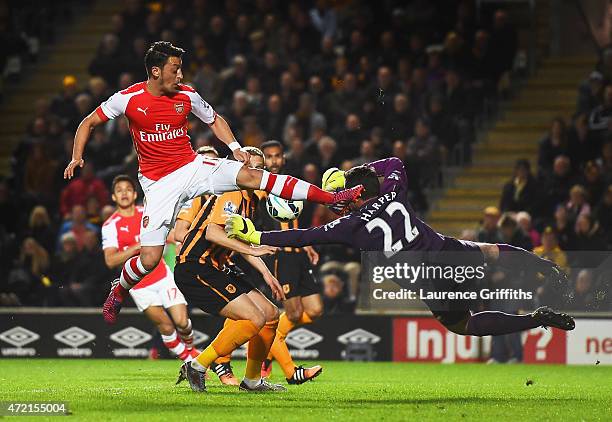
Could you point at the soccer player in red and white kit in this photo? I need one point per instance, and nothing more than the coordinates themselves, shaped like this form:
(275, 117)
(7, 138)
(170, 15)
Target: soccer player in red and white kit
(170, 172)
(157, 291)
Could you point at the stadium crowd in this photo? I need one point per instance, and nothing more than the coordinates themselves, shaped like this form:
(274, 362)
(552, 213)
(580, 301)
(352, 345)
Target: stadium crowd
(339, 86)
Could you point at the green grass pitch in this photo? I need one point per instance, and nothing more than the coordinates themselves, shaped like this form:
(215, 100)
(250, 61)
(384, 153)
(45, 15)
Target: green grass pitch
(145, 390)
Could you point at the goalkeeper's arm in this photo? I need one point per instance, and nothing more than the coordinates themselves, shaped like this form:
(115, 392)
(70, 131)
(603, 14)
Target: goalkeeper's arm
(242, 228)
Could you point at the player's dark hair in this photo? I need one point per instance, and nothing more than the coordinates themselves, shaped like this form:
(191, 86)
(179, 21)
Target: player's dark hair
(366, 176)
(270, 144)
(123, 178)
(157, 55)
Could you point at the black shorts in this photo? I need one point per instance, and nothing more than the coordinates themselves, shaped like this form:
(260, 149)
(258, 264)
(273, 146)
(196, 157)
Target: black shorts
(208, 288)
(294, 273)
(454, 252)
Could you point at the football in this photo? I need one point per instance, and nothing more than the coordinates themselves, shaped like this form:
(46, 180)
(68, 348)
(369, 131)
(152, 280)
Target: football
(283, 210)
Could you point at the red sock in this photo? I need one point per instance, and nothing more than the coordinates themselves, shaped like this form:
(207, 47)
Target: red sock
(289, 187)
(133, 271)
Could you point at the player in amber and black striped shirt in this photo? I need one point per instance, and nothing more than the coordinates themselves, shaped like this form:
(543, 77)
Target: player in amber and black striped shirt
(205, 276)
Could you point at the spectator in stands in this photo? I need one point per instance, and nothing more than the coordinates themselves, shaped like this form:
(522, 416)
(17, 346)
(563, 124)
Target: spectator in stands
(577, 204)
(335, 301)
(488, 232)
(423, 152)
(590, 93)
(455, 96)
(346, 99)
(550, 249)
(27, 280)
(588, 237)
(399, 124)
(367, 155)
(350, 136)
(557, 186)
(583, 294)
(40, 228)
(603, 214)
(504, 43)
(441, 125)
(583, 144)
(521, 193)
(523, 220)
(605, 162)
(65, 263)
(600, 116)
(480, 65)
(82, 187)
(306, 119)
(84, 106)
(593, 183)
(108, 62)
(63, 105)
(328, 153)
(77, 226)
(40, 172)
(207, 80)
(235, 78)
(564, 228)
(553, 145)
(273, 117)
(512, 234)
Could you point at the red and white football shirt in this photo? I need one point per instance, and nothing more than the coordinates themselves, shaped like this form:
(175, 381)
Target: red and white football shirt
(121, 232)
(158, 125)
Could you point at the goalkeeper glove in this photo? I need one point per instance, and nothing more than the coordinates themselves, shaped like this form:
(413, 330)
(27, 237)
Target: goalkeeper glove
(333, 180)
(238, 227)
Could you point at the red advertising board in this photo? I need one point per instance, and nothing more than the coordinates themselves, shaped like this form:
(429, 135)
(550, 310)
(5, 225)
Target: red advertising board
(426, 340)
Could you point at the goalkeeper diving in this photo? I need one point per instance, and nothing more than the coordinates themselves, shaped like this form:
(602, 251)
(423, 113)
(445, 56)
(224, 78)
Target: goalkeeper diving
(383, 220)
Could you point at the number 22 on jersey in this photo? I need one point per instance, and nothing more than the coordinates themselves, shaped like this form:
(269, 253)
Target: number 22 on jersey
(410, 233)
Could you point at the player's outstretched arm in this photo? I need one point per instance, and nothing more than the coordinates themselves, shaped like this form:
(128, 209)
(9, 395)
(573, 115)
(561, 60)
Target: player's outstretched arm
(80, 139)
(238, 227)
(215, 234)
(222, 130)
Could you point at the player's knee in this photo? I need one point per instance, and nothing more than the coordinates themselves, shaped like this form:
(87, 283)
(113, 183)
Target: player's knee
(272, 312)
(258, 319)
(294, 314)
(314, 311)
(149, 258)
(165, 328)
(181, 322)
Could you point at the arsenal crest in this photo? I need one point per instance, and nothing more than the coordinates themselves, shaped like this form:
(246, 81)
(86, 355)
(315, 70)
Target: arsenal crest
(145, 221)
(179, 107)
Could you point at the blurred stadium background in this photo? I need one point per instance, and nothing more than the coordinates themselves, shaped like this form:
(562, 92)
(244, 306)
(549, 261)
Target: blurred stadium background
(501, 111)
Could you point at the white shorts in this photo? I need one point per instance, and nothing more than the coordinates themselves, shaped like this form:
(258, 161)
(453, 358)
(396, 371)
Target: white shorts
(164, 197)
(163, 293)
